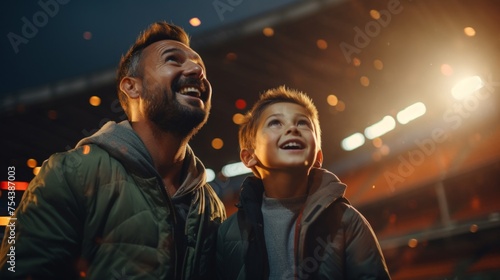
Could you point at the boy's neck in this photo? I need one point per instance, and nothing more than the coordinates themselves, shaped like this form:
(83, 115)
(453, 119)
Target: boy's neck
(285, 184)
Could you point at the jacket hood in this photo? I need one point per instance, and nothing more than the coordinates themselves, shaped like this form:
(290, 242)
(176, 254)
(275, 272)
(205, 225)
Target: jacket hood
(123, 143)
(324, 188)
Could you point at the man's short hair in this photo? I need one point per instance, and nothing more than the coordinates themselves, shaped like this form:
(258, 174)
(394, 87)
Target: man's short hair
(248, 127)
(130, 62)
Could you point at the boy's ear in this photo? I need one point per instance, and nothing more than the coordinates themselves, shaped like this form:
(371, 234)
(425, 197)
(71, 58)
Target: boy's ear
(131, 86)
(319, 159)
(248, 158)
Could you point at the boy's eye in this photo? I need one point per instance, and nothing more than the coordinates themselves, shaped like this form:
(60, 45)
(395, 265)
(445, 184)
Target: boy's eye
(274, 123)
(304, 123)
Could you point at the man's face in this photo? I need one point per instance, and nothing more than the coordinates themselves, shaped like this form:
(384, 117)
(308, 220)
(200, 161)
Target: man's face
(285, 138)
(176, 93)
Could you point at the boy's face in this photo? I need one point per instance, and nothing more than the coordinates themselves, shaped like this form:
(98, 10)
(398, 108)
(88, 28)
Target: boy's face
(285, 140)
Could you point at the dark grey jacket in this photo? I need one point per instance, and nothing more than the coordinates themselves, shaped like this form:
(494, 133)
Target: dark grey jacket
(334, 240)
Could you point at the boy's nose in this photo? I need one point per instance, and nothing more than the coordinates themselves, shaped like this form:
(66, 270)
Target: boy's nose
(292, 129)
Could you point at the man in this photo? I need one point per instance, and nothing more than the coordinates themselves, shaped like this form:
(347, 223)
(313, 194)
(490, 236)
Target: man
(130, 201)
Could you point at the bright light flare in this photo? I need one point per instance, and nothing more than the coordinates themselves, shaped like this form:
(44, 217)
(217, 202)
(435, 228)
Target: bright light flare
(411, 112)
(467, 87)
(353, 142)
(380, 128)
(210, 174)
(235, 169)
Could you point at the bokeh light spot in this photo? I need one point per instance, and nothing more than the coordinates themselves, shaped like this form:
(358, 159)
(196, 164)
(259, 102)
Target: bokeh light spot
(31, 163)
(87, 35)
(374, 14)
(95, 101)
(217, 143)
(332, 100)
(412, 243)
(364, 81)
(378, 64)
(268, 32)
(52, 114)
(356, 61)
(446, 69)
(240, 104)
(469, 31)
(321, 44)
(195, 21)
(238, 118)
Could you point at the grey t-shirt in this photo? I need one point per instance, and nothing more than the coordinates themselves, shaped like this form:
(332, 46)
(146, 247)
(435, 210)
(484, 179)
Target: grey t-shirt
(280, 216)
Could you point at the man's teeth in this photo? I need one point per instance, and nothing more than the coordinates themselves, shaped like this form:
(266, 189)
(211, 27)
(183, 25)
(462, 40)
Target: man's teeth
(292, 145)
(190, 91)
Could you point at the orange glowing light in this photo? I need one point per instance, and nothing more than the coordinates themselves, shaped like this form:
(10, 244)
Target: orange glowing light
(268, 32)
(217, 143)
(36, 170)
(378, 64)
(412, 243)
(356, 61)
(377, 142)
(195, 21)
(321, 44)
(364, 81)
(332, 100)
(95, 101)
(374, 14)
(473, 228)
(469, 31)
(238, 118)
(340, 106)
(86, 149)
(13, 185)
(31, 163)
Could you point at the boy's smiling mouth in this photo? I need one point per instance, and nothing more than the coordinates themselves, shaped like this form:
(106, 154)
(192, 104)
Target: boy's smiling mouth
(292, 145)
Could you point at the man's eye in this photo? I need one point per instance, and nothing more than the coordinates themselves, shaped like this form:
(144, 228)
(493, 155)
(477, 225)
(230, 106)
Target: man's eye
(172, 58)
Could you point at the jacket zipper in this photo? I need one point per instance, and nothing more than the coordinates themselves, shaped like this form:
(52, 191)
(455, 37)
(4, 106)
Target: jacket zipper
(169, 204)
(296, 238)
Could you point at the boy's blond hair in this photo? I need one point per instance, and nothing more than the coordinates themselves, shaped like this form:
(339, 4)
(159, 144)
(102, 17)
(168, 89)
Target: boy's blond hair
(248, 128)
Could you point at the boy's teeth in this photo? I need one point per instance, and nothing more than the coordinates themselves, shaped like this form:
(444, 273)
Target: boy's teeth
(292, 145)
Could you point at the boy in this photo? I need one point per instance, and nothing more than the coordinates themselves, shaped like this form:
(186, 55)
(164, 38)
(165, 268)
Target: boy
(292, 220)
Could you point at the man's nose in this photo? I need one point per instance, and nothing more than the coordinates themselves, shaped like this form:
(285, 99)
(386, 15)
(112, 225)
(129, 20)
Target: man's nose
(193, 69)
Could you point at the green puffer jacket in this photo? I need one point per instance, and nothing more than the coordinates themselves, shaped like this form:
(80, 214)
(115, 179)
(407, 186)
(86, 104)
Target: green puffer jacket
(334, 240)
(100, 211)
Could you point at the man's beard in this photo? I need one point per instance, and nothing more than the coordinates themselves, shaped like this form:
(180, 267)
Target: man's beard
(165, 111)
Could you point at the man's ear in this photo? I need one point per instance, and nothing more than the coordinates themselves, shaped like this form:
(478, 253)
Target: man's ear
(131, 86)
(319, 159)
(248, 158)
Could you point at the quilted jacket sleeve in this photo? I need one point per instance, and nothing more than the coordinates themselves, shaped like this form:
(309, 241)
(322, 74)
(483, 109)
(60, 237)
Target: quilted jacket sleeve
(363, 256)
(231, 250)
(48, 226)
